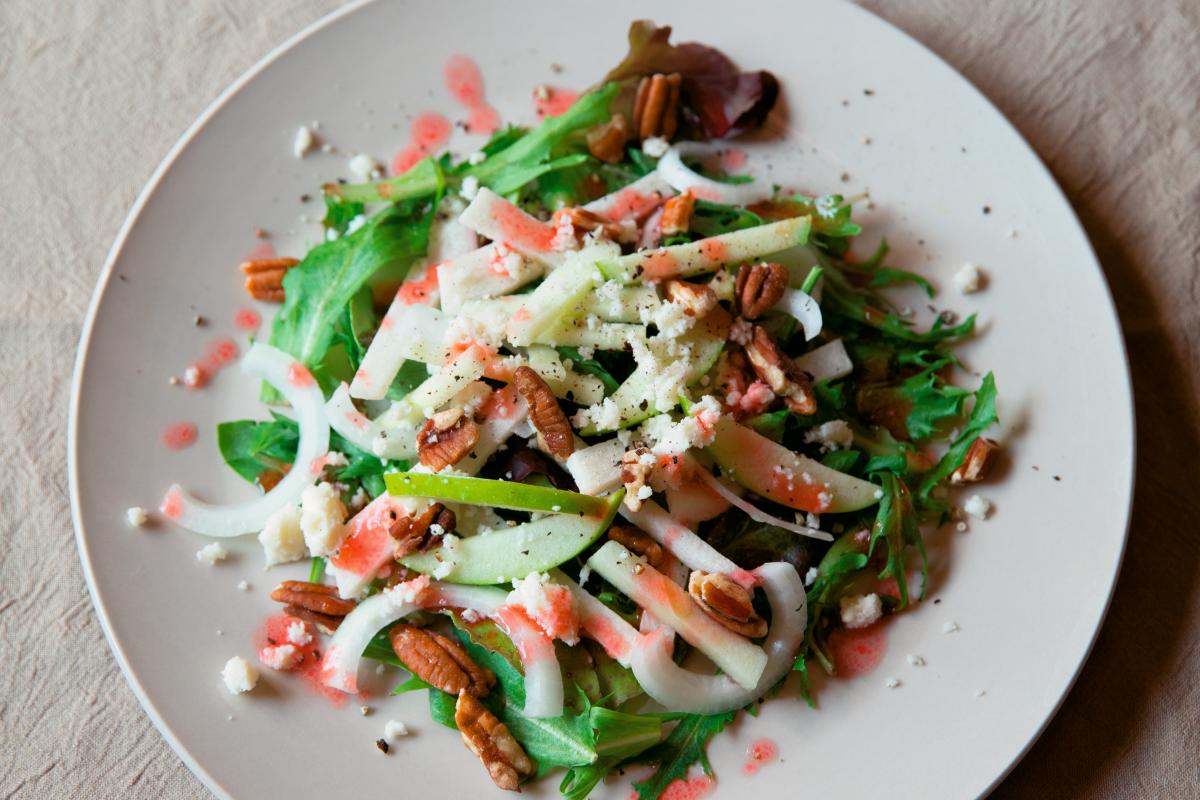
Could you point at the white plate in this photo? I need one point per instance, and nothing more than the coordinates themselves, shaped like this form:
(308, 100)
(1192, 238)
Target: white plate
(1028, 587)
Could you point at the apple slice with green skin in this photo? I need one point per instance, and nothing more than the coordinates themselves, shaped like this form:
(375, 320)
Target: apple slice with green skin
(708, 255)
(776, 473)
(670, 603)
(494, 494)
(511, 553)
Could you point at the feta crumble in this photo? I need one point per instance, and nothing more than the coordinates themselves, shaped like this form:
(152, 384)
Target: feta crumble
(810, 577)
(364, 168)
(859, 611)
(239, 675)
(243, 586)
(303, 142)
(892, 683)
(950, 627)
(655, 146)
(136, 516)
(832, 435)
(282, 657)
(469, 188)
(393, 730)
(477, 158)
(298, 633)
(322, 516)
(915, 660)
(978, 507)
(969, 279)
(212, 553)
(281, 538)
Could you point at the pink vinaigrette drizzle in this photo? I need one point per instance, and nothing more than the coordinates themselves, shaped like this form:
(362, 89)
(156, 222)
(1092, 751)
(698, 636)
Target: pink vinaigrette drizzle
(179, 436)
(465, 82)
(550, 101)
(247, 320)
(857, 651)
(758, 755)
(427, 134)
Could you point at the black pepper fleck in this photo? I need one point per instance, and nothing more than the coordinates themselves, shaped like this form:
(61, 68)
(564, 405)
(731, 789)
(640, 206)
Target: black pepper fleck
(845, 177)
(382, 745)
(1058, 477)
(869, 92)
(987, 209)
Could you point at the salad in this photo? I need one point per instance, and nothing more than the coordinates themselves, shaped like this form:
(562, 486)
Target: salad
(596, 438)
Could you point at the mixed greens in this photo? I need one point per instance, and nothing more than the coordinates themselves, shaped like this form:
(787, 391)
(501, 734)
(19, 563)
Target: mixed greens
(795, 454)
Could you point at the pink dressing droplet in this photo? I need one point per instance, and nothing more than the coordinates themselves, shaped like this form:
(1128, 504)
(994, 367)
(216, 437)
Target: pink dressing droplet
(172, 504)
(247, 319)
(179, 436)
(261, 250)
(550, 101)
(426, 136)
(299, 376)
(857, 651)
(759, 754)
(465, 82)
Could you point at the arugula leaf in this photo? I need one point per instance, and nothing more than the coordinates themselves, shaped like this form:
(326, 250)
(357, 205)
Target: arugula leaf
(897, 527)
(339, 213)
(983, 416)
(712, 219)
(441, 708)
(619, 736)
(319, 288)
(617, 684)
(413, 684)
(686, 745)
(589, 366)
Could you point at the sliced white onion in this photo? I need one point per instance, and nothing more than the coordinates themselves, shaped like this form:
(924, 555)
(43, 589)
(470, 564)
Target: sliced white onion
(597, 469)
(368, 544)
(364, 433)
(804, 309)
(492, 216)
(678, 689)
(600, 623)
(651, 231)
(490, 271)
(633, 201)
(339, 665)
(297, 385)
(689, 548)
(483, 600)
(827, 362)
(504, 411)
(449, 238)
(691, 502)
(682, 178)
(543, 677)
(407, 332)
(754, 512)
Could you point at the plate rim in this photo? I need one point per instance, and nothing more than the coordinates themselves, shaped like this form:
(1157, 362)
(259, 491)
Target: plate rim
(193, 130)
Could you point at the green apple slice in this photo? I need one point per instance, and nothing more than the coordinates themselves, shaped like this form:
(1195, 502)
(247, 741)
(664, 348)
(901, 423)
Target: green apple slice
(776, 473)
(494, 494)
(511, 553)
(558, 296)
(670, 604)
(708, 255)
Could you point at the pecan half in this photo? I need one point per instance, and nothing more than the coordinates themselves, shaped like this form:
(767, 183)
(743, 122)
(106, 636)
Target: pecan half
(584, 221)
(446, 438)
(726, 601)
(489, 738)
(440, 661)
(697, 300)
(313, 602)
(677, 214)
(760, 287)
(976, 462)
(780, 373)
(635, 541)
(264, 277)
(413, 533)
(656, 106)
(634, 474)
(554, 430)
(607, 142)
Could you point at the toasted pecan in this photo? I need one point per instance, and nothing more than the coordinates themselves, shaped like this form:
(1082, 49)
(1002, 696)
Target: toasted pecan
(656, 106)
(313, 602)
(440, 661)
(636, 541)
(264, 277)
(554, 430)
(489, 738)
(412, 533)
(677, 214)
(607, 141)
(584, 222)
(446, 439)
(634, 475)
(760, 287)
(726, 601)
(977, 461)
(325, 623)
(780, 373)
(696, 298)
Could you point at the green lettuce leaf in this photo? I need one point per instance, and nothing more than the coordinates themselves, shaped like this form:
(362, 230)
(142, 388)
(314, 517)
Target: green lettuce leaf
(686, 745)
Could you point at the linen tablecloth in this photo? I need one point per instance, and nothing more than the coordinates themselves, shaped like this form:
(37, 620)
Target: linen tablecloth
(93, 94)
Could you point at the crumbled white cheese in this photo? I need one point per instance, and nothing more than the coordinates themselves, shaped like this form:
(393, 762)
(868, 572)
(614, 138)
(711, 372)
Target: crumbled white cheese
(605, 415)
(298, 633)
(394, 730)
(243, 586)
(280, 657)
(672, 319)
(355, 223)
(741, 332)
(950, 627)
(136, 516)
(469, 188)
(450, 551)
(212, 553)
(477, 158)
(978, 507)
(281, 538)
(980, 692)
(322, 517)
(359, 500)
(859, 611)
(303, 142)
(645, 493)
(655, 146)
(810, 577)
(892, 683)
(549, 604)
(968, 279)
(364, 168)
(832, 435)
(192, 377)
(239, 675)
(915, 660)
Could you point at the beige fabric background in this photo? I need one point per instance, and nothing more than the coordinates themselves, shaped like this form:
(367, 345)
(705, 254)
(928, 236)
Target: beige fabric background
(92, 95)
